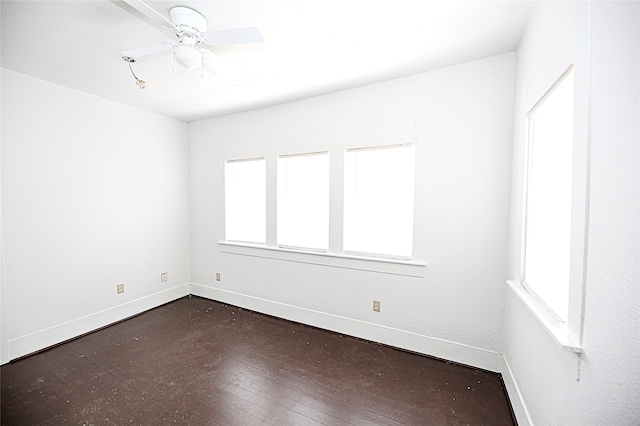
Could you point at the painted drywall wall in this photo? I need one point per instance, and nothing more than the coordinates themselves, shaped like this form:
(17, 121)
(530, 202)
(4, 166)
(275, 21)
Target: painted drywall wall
(461, 117)
(547, 384)
(94, 193)
(4, 342)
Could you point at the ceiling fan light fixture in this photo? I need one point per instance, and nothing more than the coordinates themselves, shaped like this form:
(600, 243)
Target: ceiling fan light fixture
(188, 56)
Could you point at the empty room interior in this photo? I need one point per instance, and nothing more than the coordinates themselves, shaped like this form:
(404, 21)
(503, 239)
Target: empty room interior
(452, 180)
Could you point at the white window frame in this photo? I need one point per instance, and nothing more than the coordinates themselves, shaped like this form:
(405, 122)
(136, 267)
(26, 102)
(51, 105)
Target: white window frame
(568, 334)
(390, 255)
(228, 163)
(281, 242)
(334, 257)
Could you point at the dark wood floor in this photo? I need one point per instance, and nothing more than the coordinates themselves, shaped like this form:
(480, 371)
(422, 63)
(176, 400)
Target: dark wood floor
(195, 361)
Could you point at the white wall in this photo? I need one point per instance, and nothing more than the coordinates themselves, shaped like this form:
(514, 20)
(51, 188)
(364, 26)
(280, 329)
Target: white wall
(461, 117)
(4, 342)
(94, 193)
(547, 384)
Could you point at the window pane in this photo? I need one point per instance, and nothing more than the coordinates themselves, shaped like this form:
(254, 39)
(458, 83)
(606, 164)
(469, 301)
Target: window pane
(378, 201)
(245, 201)
(548, 214)
(303, 201)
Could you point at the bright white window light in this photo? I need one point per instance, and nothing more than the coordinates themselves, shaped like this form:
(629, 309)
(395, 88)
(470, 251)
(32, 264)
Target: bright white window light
(378, 201)
(245, 201)
(547, 247)
(303, 201)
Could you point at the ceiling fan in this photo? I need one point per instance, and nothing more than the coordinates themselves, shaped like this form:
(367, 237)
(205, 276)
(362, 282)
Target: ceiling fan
(190, 30)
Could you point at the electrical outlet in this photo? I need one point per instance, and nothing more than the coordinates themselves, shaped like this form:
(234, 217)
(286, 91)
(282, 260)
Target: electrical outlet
(163, 277)
(217, 276)
(120, 288)
(376, 305)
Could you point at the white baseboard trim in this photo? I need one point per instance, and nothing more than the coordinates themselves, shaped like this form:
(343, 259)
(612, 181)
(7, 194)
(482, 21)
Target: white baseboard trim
(517, 402)
(456, 352)
(447, 350)
(42, 339)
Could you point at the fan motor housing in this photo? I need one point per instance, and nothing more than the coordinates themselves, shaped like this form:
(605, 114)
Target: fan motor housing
(188, 19)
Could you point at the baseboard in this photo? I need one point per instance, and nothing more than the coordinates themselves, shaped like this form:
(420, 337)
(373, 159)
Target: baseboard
(452, 351)
(517, 402)
(456, 352)
(42, 339)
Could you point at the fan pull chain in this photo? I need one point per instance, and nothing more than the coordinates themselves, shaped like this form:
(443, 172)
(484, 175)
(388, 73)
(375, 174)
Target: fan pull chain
(139, 82)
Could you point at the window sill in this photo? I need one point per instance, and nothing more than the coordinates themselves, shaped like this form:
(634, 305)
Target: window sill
(386, 266)
(558, 332)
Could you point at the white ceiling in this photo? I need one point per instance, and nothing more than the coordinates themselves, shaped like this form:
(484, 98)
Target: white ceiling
(311, 47)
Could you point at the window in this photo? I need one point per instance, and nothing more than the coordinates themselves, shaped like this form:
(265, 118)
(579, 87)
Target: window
(328, 204)
(303, 201)
(548, 198)
(245, 200)
(378, 201)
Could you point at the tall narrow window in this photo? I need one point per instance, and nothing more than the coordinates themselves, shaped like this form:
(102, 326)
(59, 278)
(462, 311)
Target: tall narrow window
(245, 201)
(547, 243)
(303, 201)
(378, 201)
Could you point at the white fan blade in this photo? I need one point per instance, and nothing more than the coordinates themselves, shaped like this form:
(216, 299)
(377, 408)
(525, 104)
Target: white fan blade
(233, 36)
(148, 11)
(141, 52)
